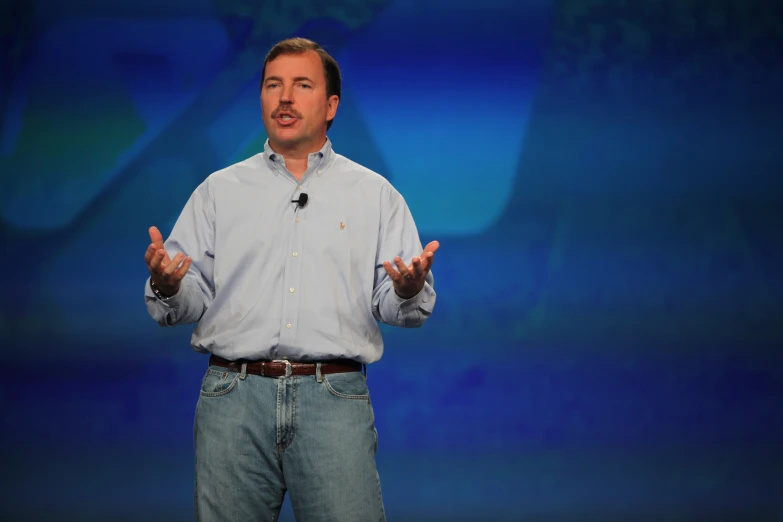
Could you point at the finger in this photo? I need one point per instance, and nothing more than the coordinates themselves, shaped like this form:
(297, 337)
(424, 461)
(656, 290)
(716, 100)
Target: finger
(395, 276)
(157, 258)
(427, 259)
(404, 272)
(156, 237)
(172, 267)
(432, 246)
(161, 260)
(417, 267)
(149, 253)
(180, 273)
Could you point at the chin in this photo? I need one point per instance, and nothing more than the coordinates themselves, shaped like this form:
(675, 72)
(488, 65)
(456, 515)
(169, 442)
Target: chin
(287, 140)
(291, 138)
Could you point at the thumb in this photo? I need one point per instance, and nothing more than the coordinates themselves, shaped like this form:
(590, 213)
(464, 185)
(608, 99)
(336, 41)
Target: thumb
(432, 246)
(156, 237)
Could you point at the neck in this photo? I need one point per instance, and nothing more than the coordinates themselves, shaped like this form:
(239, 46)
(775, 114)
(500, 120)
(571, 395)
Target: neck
(296, 156)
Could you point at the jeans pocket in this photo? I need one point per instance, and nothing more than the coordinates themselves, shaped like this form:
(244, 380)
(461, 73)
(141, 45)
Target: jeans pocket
(218, 382)
(348, 385)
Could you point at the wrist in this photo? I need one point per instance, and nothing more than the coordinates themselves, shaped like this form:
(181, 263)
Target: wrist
(162, 292)
(407, 296)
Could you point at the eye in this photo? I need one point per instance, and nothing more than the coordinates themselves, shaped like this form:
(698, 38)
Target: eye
(304, 85)
(270, 85)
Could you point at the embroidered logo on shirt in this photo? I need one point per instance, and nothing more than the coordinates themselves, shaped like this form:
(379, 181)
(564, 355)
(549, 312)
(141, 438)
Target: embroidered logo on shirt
(342, 225)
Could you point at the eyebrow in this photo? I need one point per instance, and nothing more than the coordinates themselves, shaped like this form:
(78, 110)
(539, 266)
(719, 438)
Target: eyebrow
(297, 79)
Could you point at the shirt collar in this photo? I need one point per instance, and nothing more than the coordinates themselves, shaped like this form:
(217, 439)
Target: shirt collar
(324, 156)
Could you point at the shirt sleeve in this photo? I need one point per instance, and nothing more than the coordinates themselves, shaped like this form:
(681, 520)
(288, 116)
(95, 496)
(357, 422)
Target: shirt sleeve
(194, 235)
(398, 236)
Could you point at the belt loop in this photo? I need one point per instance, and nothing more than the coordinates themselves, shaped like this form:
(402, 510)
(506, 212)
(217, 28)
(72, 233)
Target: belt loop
(243, 372)
(364, 369)
(318, 377)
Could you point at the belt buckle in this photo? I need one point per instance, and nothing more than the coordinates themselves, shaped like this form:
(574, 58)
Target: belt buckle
(289, 370)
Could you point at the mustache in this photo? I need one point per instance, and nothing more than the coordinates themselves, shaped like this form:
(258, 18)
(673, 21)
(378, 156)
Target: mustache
(289, 110)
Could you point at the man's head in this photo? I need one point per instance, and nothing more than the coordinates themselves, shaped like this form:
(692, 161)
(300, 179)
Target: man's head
(300, 91)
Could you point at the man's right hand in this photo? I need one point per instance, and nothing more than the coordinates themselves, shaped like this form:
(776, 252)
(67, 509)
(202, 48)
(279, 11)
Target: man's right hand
(166, 274)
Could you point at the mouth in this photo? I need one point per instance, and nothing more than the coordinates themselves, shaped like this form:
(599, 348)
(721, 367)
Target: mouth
(286, 119)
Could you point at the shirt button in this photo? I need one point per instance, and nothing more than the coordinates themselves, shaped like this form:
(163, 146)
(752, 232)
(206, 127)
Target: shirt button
(297, 220)
(319, 171)
(299, 187)
(291, 290)
(288, 325)
(294, 254)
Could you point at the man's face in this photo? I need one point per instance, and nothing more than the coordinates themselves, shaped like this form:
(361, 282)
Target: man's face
(294, 105)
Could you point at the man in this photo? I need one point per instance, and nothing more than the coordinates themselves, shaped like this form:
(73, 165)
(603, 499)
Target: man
(287, 261)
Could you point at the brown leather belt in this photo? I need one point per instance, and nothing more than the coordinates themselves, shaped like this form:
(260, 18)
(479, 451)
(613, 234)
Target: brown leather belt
(286, 368)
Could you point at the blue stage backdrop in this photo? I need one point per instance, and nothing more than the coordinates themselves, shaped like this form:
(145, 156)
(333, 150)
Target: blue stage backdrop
(605, 181)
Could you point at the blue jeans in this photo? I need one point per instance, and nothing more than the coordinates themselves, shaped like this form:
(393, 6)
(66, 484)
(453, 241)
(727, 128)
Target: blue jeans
(312, 436)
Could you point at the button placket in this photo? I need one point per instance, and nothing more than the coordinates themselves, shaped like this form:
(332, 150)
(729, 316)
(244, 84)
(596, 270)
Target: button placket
(292, 276)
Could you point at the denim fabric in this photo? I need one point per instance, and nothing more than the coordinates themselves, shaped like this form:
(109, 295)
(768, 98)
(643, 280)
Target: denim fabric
(257, 438)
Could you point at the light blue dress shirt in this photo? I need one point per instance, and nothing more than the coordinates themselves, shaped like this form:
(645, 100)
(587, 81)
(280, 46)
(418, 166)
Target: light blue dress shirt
(270, 280)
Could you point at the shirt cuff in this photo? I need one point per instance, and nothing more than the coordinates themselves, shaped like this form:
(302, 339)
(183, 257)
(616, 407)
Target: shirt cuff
(165, 310)
(413, 311)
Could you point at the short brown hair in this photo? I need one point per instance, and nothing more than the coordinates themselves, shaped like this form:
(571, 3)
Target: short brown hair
(302, 45)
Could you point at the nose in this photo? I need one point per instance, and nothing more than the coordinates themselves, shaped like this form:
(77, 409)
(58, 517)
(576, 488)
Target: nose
(287, 94)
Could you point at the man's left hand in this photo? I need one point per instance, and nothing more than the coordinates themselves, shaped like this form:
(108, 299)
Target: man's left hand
(409, 280)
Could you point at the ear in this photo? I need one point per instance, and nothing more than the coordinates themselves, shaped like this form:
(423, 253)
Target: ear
(331, 106)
